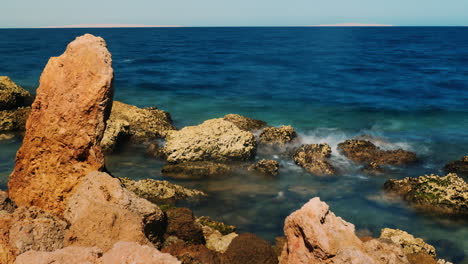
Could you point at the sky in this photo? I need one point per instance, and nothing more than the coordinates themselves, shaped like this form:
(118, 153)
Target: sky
(41, 13)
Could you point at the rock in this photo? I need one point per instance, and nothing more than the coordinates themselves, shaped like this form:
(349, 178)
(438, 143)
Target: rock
(213, 140)
(314, 158)
(421, 257)
(216, 225)
(65, 127)
(278, 136)
(409, 243)
(5, 203)
(160, 192)
(192, 254)
(121, 252)
(266, 167)
(181, 223)
(373, 168)
(101, 212)
(131, 252)
(14, 120)
(245, 123)
(459, 167)
(248, 248)
(447, 194)
(12, 95)
(280, 243)
(135, 124)
(315, 235)
(195, 170)
(365, 152)
(155, 151)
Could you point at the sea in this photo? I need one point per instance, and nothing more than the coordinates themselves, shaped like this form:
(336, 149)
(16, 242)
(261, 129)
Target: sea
(407, 87)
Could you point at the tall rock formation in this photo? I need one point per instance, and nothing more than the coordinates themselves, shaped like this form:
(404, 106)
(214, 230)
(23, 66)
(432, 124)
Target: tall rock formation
(65, 127)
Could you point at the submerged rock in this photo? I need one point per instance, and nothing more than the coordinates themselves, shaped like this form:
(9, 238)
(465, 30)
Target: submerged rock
(373, 168)
(248, 248)
(195, 170)
(278, 136)
(213, 140)
(315, 235)
(181, 223)
(160, 192)
(65, 127)
(365, 152)
(101, 212)
(459, 167)
(154, 150)
(267, 167)
(14, 120)
(447, 194)
(245, 123)
(409, 243)
(314, 158)
(128, 122)
(12, 95)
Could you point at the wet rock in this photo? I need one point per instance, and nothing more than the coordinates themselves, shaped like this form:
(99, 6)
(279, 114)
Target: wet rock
(315, 235)
(6, 204)
(192, 254)
(101, 212)
(278, 136)
(409, 243)
(314, 158)
(373, 168)
(266, 167)
(131, 252)
(65, 127)
(216, 225)
(213, 140)
(245, 123)
(365, 152)
(181, 223)
(195, 170)
(460, 167)
(155, 151)
(135, 124)
(160, 192)
(12, 95)
(447, 194)
(14, 120)
(248, 248)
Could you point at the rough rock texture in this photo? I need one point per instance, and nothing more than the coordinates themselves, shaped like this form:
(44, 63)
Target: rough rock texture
(314, 158)
(154, 150)
(409, 243)
(421, 258)
(373, 168)
(102, 212)
(267, 167)
(160, 192)
(14, 120)
(245, 123)
(213, 140)
(215, 239)
(181, 223)
(193, 254)
(195, 170)
(315, 235)
(365, 152)
(12, 95)
(216, 225)
(279, 136)
(65, 126)
(248, 248)
(121, 253)
(6, 204)
(459, 167)
(447, 194)
(135, 124)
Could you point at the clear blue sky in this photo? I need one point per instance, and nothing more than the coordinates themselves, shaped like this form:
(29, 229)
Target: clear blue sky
(36, 13)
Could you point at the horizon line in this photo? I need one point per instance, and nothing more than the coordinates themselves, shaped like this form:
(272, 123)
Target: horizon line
(180, 26)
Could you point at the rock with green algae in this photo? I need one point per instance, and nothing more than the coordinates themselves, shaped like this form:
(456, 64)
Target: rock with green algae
(447, 194)
(14, 120)
(195, 170)
(223, 228)
(266, 167)
(278, 136)
(460, 167)
(12, 95)
(314, 158)
(409, 243)
(160, 192)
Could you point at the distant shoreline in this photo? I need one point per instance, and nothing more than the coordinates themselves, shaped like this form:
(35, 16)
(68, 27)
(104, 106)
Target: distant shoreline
(111, 26)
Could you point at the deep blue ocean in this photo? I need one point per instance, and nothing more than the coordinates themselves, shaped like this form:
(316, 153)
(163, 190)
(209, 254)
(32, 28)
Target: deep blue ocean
(407, 86)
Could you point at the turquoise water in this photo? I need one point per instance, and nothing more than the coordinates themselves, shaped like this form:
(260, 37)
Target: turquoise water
(406, 86)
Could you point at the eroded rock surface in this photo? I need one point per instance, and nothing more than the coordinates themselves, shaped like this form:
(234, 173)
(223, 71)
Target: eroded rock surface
(408, 242)
(314, 158)
(245, 123)
(447, 194)
(12, 95)
(192, 254)
(278, 136)
(213, 140)
(195, 170)
(14, 120)
(266, 167)
(181, 223)
(6, 204)
(65, 127)
(460, 167)
(248, 248)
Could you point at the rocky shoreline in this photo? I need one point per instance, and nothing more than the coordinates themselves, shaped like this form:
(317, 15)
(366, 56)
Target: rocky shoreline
(63, 206)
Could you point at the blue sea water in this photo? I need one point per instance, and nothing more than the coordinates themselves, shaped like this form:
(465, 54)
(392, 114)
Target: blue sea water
(408, 86)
